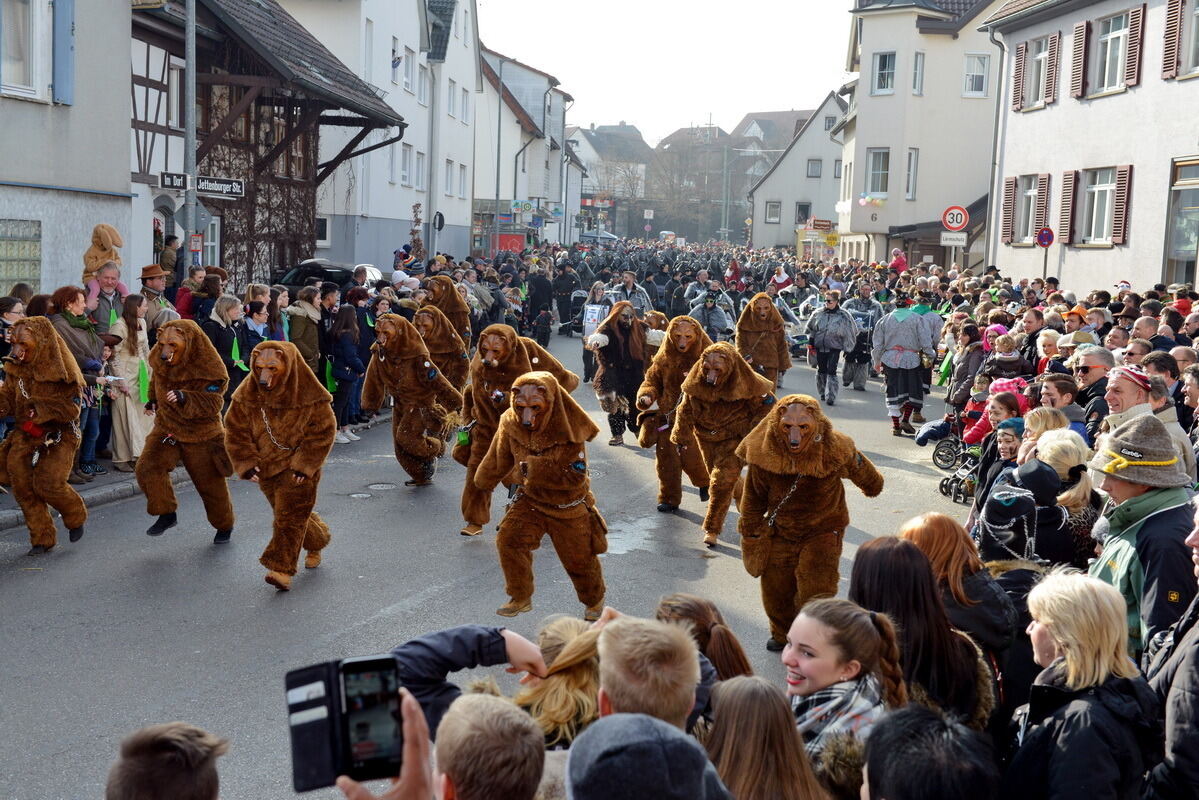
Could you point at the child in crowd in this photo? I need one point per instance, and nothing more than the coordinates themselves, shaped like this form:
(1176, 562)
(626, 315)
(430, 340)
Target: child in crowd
(543, 326)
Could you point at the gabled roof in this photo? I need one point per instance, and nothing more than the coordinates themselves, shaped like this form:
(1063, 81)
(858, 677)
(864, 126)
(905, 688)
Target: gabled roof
(441, 22)
(950, 15)
(778, 127)
(885, 5)
(838, 103)
(522, 116)
(618, 143)
(1014, 8)
(488, 51)
(299, 57)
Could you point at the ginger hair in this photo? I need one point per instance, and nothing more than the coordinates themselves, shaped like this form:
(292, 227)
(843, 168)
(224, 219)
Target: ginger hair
(712, 635)
(866, 637)
(950, 550)
(564, 702)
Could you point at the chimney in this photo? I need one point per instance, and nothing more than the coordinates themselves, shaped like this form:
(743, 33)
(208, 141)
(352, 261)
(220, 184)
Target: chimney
(622, 123)
(593, 126)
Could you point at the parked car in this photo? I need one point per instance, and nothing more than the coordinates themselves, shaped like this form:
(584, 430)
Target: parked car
(598, 237)
(298, 276)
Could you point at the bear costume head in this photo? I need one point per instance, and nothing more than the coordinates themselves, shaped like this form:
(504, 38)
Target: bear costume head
(436, 331)
(656, 320)
(500, 353)
(397, 339)
(722, 375)
(760, 315)
(184, 350)
(685, 340)
(443, 295)
(279, 378)
(542, 414)
(105, 241)
(40, 355)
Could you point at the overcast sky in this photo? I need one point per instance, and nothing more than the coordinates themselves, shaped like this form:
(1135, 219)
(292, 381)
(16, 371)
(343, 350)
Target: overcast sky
(667, 64)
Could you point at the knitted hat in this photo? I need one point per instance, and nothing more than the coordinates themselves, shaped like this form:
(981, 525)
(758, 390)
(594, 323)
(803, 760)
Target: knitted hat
(1041, 479)
(1013, 385)
(1013, 424)
(1141, 451)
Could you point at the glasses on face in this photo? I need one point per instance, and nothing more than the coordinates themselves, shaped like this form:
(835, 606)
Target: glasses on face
(1083, 369)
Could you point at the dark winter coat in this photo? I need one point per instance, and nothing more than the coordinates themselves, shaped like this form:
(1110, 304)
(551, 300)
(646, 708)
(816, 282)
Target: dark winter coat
(965, 366)
(991, 622)
(366, 333)
(222, 338)
(1173, 675)
(1094, 407)
(347, 366)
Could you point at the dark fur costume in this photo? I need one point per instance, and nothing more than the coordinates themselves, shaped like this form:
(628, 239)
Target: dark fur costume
(446, 349)
(43, 394)
(719, 417)
(664, 385)
(284, 431)
(554, 498)
(190, 432)
(424, 397)
(487, 397)
(443, 296)
(620, 367)
(763, 343)
(797, 557)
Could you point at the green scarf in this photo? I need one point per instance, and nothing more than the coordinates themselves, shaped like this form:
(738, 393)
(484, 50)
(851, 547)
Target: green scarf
(921, 309)
(235, 356)
(83, 324)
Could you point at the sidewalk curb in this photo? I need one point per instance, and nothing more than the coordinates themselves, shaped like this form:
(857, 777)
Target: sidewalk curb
(120, 490)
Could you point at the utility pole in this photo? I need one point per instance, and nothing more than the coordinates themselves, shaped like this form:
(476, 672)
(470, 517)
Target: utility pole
(499, 132)
(189, 125)
(724, 210)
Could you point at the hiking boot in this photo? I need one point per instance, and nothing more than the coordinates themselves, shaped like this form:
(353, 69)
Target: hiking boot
(514, 607)
(918, 418)
(471, 530)
(667, 508)
(905, 425)
(161, 525)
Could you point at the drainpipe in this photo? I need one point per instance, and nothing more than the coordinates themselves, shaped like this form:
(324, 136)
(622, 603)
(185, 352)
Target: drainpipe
(494, 245)
(562, 178)
(434, 165)
(988, 246)
(516, 167)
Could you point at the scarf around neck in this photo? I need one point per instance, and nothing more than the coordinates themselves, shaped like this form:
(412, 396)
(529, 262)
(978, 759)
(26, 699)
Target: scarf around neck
(850, 707)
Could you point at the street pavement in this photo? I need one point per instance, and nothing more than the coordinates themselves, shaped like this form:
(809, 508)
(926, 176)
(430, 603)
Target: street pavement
(121, 630)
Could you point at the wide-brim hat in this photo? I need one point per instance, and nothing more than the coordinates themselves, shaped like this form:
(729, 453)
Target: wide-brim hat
(153, 271)
(1141, 451)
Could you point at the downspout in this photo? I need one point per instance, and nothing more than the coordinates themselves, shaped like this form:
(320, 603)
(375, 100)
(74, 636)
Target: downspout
(516, 168)
(562, 178)
(434, 166)
(988, 246)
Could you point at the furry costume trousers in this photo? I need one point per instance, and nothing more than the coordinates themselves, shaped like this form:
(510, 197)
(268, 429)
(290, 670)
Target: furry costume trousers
(724, 480)
(796, 572)
(39, 488)
(415, 447)
(576, 540)
(672, 464)
(296, 525)
(855, 373)
(206, 463)
(476, 503)
(770, 373)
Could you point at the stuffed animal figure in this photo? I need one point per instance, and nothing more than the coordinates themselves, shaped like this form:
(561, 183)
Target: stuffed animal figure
(400, 366)
(658, 399)
(278, 432)
(761, 340)
(541, 440)
(723, 399)
(793, 512)
(42, 388)
(443, 295)
(105, 241)
(445, 346)
(500, 359)
(187, 391)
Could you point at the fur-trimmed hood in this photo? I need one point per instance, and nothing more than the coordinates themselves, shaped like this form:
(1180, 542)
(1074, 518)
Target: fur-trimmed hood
(300, 386)
(443, 338)
(566, 421)
(826, 453)
(52, 360)
(301, 309)
(742, 384)
(201, 362)
(748, 321)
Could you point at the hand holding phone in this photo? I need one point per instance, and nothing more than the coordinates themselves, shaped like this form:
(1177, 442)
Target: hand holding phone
(416, 778)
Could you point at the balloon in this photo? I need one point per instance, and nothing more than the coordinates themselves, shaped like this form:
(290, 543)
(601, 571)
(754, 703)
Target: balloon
(862, 201)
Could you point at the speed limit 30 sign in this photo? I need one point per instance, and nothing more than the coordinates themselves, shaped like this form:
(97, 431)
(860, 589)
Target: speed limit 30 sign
(955, 218)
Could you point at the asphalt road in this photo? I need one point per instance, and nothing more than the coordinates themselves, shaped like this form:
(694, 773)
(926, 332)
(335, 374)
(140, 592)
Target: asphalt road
(121, 630)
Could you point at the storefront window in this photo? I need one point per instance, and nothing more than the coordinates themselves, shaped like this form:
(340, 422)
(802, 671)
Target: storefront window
(1182, 234)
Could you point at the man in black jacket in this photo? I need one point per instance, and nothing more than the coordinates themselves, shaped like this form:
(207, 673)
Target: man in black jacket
(1034, 323)
(566, 282)
(1091, 374)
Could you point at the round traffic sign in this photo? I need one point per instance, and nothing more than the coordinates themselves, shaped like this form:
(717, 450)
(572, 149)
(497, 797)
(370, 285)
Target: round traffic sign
(649, 228)
(1045, 237)
(955, 218)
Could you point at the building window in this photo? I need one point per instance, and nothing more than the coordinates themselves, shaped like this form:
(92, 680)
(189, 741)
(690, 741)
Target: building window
(1194, 60)
(420, 171)
(815, 167)
(21, 250)
(212, 244)
(774, 210)
(837, 169)
(847, 181)
(449, 177)
(24, 47)
(409, 68)
(976, 75)
(878, 171)
(396, 60)
(1182, 230)
(463, 176)
(1109, 62)
(1026, 208)
(913, 167)
(422, 85)
(1100, 187)
(918, 74)
(175, 96)
(451, 98)
(406, 165)
(391, 164)
(1038, 70)
(322, 231)
(803, 213)
(830, 122)
(884, 74)
(368, 52)
(465, 107)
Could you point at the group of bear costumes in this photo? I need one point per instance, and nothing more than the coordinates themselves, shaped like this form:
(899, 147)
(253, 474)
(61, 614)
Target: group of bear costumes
(703, 407)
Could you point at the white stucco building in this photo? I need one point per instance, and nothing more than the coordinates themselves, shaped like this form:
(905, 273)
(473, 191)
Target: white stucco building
(919, 131)
(1098, 141)
(803, 184)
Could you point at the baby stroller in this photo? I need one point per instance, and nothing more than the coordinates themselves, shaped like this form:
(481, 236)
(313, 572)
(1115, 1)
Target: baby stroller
(948, 452)
(578, 298)
(857, 360)
(961, 484)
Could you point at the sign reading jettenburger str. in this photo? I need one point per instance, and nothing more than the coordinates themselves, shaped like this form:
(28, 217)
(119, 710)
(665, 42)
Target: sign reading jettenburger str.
(219, 187)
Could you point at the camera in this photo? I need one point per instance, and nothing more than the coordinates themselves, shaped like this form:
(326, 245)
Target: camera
(344, 718)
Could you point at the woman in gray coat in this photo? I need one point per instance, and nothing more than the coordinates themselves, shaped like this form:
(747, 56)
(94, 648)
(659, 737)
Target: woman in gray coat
(831, 330)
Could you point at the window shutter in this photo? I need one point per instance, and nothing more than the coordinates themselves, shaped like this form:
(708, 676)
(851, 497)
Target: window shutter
(1120, 204)
(63, 80)
(1081, 44)
(1018, 76)
(1136, 38)
(1173, 39)
(1009, 210)
(1041, 218)
(1051, 66)
(1066, 220)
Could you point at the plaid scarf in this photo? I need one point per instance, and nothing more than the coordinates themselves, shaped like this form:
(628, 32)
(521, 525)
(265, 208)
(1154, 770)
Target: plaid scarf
(850, 707)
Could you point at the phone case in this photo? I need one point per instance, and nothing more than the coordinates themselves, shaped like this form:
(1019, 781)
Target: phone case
(314, 719)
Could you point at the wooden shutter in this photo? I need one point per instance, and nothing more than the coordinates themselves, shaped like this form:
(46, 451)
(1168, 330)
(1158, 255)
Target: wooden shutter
(1081, 45)
(1051, 67)
(1018, 76)
(1120, 207)
(1136, 40)
(1065, 222)
(1041, 215)
(1009, 210)
(1173, 40)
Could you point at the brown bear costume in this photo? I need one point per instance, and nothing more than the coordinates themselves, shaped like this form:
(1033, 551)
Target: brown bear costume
(187, 390)
(793, 512)
(761, 340)
(42, 388)
(400, 366)
(619, 344)
(541, 440)
(278, 432)
(443, 296)
(501, 358)
(723, 399)
(663, 384)
(103, 249)
(445, 346)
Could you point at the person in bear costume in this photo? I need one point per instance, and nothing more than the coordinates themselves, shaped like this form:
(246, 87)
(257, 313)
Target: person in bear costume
(278, 432)
(400, 366)
(541, 443)
(761, 340)
(620, 344)
(443, 296)
(446, 348)
(500, 359)
(723, 399)
(103, 250)
(658, 399)
(187, 390)
(41, 389)
(793, 512)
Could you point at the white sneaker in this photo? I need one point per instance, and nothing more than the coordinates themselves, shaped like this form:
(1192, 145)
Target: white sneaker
(341, 438)
(353, 437)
